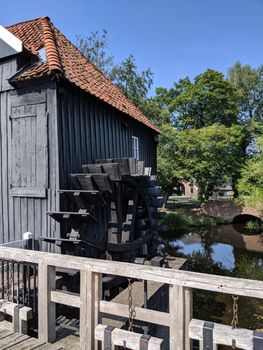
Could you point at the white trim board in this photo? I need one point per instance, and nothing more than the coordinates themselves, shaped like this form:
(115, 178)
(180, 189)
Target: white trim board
(11, 40)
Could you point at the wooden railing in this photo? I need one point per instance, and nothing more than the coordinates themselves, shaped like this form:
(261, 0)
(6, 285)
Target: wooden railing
(181, 283)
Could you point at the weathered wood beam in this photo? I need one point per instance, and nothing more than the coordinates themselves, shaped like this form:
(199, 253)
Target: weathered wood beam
(90, 295)
(28, 192)
(122, 310)
(223, 334)
(188, 312)
(132, 340)
(176, 310)
(195, 280)
(65, 298)
(46, 308)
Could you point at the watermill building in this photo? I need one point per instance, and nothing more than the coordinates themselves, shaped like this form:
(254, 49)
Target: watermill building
(58, 112)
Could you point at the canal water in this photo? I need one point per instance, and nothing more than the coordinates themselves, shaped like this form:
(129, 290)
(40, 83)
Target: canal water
(226, 250)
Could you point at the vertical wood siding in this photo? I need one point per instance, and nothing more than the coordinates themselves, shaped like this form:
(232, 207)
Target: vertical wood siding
(23, 157)
(88, 130)
(42, 142)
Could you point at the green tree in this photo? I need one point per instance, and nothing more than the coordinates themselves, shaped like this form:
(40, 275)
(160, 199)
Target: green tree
(95, 48)
(208, 156)
(249, 82)
(250, 185)
(209, 99)
(158, 114)
(133, 84)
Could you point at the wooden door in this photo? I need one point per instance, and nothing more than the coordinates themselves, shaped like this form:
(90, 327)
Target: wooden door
(29, 150)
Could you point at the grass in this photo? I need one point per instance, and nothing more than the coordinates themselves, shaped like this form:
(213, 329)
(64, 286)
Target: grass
(184, 214)
(180, 221)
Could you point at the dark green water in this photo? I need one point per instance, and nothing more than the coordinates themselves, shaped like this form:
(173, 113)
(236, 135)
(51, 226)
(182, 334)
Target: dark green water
(223, 250)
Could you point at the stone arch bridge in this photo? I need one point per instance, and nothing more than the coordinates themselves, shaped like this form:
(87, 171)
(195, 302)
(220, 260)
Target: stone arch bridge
(229, 211)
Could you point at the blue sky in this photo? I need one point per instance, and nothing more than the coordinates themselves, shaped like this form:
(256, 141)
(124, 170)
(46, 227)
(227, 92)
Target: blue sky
(174, 37)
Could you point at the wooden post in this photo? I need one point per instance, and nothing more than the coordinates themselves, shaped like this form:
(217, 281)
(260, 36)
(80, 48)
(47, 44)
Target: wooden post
(176, 310)
(90, 295)
(188, 302)
(46, 308)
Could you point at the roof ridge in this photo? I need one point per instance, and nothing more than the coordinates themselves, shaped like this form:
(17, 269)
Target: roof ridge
(53, 58)
(65, 58)
(30, 20)
(86, 58)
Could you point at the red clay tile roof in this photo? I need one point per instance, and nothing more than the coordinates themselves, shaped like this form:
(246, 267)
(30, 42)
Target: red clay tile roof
(63, 57)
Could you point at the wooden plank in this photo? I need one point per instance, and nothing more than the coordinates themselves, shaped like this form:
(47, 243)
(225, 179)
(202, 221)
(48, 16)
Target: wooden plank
(5, 333)
(25, 313)
(5, 161)
(27, 344)
(50, 347)
(15, 338)
(92, 168)
(23, 115)
(188, 310)
(176, 310)
(140, 167)
(41, 146)
(46, 308)
(9, 68)
(84, 198)
(196, 280)
(223, 334)
(97, 296)
(12, 233)
(124, 165)
(27, 98)
(2, 176)
(119, 336)
(112, 169)
(90, 294)
(151, 316)
(29, 153)
(65, 298)
(28, 192)
(22, 243)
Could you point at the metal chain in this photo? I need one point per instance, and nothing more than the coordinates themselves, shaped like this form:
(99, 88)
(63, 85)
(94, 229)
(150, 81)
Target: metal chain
(234, 322)
(132, 312)
(9, 286)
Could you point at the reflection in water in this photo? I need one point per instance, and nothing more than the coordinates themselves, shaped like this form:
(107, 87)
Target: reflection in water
(225, 243)
(221, 253)
(223, 250)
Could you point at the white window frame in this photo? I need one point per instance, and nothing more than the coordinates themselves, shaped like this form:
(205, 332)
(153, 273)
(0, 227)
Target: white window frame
(135, 147)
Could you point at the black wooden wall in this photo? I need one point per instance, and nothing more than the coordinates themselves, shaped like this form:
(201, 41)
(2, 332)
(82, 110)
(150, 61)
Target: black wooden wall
(89, 129)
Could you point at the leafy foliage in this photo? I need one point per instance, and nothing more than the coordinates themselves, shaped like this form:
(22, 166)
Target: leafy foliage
(253, 226)
(134, 85)
(249, 82)
(95, 48)
(207, 156)
(209, 99)
(250, 185)
(208, 124)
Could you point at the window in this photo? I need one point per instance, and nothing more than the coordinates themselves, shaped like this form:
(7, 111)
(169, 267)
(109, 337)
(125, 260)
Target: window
(135, 147)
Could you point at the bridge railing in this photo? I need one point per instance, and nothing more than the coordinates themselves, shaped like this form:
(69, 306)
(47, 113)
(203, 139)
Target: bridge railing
(178, 319)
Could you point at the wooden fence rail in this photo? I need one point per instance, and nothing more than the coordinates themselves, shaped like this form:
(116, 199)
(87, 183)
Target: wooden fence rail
(181, 284)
